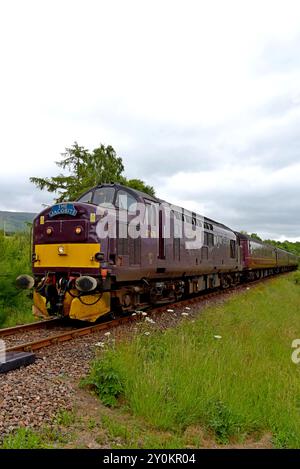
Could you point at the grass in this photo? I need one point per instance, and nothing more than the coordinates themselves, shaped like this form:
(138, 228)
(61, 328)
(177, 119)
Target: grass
(183, 387)
(65, 418)
(23, 438)
(241, 385)
(15, 305)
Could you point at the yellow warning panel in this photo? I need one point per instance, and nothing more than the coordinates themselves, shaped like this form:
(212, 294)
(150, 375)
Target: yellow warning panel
(39, 305)
(88, 308)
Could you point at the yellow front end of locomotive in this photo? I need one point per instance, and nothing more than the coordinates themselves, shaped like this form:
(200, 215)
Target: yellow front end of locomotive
(68, 255)
(71, 256)
(90, 307)
(86, 308)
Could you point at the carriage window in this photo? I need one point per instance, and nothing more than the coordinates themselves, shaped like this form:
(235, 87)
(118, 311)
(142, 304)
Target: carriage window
(104, 196)
(86, 198)
(126, 201)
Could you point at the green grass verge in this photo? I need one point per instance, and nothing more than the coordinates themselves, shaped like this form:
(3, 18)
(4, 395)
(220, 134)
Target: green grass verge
(242, 384)
(15, 305)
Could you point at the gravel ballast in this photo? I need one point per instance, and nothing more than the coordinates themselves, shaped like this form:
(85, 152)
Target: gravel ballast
(32, 396)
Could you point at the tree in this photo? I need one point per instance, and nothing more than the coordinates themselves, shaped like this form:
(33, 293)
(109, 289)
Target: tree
(255, 236)
(139, 186)
(85, 170)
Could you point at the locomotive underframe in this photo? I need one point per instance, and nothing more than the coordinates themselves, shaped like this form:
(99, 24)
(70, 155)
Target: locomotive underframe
(57, 296)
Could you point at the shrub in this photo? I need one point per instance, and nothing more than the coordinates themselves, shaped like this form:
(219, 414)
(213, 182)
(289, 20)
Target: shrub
(105, 380)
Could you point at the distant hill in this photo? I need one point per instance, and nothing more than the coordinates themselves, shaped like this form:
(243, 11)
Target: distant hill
(15, 221)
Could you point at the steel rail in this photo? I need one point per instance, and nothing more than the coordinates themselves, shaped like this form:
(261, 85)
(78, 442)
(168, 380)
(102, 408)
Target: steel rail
(69, 335)
(78, 332)
(29, 327)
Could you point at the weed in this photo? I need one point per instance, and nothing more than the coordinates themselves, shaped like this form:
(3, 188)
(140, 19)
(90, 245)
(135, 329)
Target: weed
(23, 438)
(105, 380)
(91, 424)
(65, 418)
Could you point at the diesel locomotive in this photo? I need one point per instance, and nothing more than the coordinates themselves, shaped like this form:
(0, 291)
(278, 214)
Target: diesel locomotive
(116, 250)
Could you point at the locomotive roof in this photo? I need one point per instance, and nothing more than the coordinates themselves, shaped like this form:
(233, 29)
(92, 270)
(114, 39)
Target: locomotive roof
(144, 195)
(141, 194)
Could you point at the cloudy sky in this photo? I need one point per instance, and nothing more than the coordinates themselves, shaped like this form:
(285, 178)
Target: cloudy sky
(200, 98)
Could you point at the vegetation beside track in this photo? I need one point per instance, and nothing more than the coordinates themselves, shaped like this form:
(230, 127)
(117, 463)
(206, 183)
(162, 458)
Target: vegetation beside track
(223, 378)
(229, 372)
(15, 305)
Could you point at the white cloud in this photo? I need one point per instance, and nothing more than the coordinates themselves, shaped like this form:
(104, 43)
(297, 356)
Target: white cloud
(207, 92)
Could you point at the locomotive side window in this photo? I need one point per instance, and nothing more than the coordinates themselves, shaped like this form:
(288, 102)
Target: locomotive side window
(210, 238)
(232, 248)
(86, 198)
(126, 201)
(104, 196)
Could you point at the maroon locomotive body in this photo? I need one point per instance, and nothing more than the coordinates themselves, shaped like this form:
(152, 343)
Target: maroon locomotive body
(118, 249)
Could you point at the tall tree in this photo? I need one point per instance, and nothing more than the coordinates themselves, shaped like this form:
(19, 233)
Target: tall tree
(139, 185)
(87, 169)
(255, 236)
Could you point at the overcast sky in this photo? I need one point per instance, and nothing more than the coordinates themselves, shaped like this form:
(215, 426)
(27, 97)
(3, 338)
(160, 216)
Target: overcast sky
(201, 99)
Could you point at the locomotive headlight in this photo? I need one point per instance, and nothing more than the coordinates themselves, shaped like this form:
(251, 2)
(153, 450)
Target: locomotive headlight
(78, 230)
(86, 283)
(61, 250)
(49, 231)
(25, 281)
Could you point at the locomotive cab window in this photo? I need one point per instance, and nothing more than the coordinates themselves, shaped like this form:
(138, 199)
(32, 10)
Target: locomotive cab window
(104, 196)
(126, 201)
(86, 198)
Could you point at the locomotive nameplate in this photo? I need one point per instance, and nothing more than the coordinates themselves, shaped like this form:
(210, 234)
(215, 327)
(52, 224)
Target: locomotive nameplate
(63, 209)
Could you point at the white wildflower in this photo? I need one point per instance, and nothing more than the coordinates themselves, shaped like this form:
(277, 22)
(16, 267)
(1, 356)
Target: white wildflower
(217, 336)
(184, 314)
(144, 313)
(107, 334)
(187, 308)
(170, 310)
(100, 344)
(139, 312)
(150, 320)
(147, 333)
(133, 314)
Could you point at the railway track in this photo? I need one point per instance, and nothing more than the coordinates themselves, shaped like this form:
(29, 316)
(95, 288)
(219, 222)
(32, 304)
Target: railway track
(18, 342)
(28, 327)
